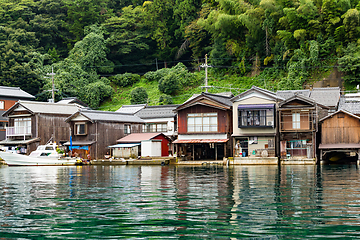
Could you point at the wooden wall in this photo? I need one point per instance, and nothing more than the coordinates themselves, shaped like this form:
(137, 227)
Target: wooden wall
(104, 134)
(224, 118)
(340, 128)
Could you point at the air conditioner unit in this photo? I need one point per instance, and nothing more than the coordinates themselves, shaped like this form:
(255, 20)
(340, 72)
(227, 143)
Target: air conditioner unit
(270, 123)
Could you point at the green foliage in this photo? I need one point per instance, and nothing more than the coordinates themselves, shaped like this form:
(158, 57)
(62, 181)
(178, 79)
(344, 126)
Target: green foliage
(350, 64)
(139, 96)
(96, 92)
(165, 99)
(126, 79)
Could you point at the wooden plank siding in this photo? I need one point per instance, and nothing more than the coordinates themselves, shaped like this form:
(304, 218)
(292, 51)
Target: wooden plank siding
(104, 134)
(340, 128)
(224, 118)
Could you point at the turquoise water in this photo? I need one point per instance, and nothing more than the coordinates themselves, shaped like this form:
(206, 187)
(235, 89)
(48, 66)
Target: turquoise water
(168, 202)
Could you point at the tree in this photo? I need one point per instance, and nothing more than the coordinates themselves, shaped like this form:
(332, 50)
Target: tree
(139, 96)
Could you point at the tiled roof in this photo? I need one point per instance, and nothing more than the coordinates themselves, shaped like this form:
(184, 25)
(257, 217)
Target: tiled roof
(161, 111)
(15, 92)
(289, 93)
(220, 98)
(131, 108)
(260, 90)
(94, 115)
(326, 96)
(350, 105)
(47, 107)
(71, 100)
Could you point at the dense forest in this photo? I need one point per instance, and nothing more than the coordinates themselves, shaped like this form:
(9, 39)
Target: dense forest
(110, 52)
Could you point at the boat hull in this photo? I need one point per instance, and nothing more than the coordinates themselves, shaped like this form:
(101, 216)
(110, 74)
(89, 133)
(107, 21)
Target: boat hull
(15, 159)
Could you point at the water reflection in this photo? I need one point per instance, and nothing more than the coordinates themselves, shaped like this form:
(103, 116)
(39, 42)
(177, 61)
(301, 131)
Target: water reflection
(179, 202)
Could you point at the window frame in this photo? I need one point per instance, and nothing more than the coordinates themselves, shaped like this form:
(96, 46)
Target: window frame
(79, 124)
(256, 117)
(197, 119)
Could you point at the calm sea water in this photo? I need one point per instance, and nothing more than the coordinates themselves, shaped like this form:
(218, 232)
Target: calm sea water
(154, 202)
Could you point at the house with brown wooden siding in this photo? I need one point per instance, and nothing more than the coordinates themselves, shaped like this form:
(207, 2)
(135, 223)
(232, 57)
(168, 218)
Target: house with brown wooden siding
(94, 131)
(8, 97)
(340, 137)
(204, 127)
(298, 127)
(255, 129)
(35, 123)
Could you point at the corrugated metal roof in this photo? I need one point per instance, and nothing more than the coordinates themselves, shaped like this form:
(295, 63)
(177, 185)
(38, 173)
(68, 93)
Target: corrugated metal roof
(15, 92)
(47, 107)
(138, 137)
(202, 141)
(124, 145)
(110, 116)
(161, 111)
(79, 143)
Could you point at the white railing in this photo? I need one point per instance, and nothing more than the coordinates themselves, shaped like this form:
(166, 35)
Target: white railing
(18, 131)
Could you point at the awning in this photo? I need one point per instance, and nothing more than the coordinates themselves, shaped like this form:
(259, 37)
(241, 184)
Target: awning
(79, 143)
(256, 106)
(340, 146)
(202, 141)
(19, 142)
(124, 145)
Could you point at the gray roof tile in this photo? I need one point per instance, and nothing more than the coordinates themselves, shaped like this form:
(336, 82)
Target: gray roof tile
(15, 92)
(47, 107)
(110, 116)
(161, 111)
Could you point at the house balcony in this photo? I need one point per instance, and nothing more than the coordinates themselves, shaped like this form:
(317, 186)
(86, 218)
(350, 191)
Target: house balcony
(18, 131)
(303, 126)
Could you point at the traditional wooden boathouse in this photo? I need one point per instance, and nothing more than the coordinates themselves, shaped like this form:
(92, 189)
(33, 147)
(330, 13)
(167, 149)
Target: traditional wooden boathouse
(204, 127)
(340, 137)
(93, 131)
(298, 127)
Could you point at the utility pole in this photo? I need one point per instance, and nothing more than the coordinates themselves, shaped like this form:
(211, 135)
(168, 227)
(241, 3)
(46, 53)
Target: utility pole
(206, 77)
(52, 74)
(206, 74)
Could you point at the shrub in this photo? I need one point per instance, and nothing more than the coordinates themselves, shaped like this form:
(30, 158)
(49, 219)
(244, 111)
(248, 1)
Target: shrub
(138, 96)
(126, 79)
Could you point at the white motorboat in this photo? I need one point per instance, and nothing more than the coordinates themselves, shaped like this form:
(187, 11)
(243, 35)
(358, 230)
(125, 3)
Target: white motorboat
(44, 155)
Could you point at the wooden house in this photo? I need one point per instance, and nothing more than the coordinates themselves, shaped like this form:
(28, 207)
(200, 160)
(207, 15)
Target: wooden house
(298, 127)
(204, 127)
(254, 126)
(33, 123)
(340, 137)
(93, 131)
(8, 97)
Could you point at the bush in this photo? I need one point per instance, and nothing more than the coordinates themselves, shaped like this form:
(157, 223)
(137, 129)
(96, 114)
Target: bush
(165, 100)
(126, 79)
(139, 96)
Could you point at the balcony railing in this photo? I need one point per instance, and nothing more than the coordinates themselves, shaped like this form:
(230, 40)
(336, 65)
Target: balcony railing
(18, 131)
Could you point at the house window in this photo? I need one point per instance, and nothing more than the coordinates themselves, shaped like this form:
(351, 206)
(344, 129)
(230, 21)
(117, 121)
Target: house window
(127, 129)
(202, 122)
(80, 129)
(2, 105)
(256, 118)
(155, 127)
(3, 125)
(22, 125)
(296, 120)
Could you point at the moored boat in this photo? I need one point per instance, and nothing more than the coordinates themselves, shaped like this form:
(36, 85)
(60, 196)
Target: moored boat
(44, 155)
